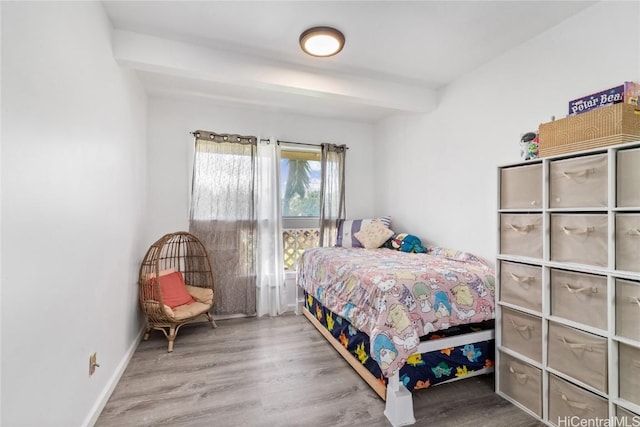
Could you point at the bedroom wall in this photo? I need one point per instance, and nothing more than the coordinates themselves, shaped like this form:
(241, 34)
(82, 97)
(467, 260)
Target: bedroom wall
(436, 173)
(73, 206)
(170, 154)
(171, 149)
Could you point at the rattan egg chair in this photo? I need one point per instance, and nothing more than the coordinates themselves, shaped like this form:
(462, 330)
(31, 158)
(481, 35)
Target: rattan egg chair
(175, 252)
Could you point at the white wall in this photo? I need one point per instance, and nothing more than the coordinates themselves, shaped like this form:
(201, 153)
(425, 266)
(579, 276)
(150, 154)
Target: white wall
(73, 207)
(74, 180)
(170, 152)
(437, 172)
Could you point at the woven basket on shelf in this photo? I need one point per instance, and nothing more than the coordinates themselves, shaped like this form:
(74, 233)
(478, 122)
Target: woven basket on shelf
(613, 124)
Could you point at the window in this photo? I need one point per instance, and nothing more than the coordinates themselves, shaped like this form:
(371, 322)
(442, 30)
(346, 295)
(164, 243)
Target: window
(300, 178)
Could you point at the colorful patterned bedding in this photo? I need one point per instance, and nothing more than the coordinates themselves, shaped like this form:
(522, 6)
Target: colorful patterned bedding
(396, 297)
(422, 370)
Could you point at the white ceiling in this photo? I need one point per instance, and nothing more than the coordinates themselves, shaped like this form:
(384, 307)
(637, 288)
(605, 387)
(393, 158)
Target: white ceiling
(397, 53)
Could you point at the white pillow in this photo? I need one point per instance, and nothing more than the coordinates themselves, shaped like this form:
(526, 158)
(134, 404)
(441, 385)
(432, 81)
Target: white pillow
(373, 235)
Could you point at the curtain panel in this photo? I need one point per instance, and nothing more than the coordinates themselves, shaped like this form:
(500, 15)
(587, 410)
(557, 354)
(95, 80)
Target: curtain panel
(222, 216)
(332, 192)
(269, 253)
(236, 212)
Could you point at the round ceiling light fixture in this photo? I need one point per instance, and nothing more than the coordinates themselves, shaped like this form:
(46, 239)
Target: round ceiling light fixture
(322, 41)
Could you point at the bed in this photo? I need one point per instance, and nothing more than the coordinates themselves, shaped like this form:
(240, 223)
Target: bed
(403, 321)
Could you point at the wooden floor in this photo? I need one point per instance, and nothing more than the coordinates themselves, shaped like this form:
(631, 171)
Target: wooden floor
(277, 372)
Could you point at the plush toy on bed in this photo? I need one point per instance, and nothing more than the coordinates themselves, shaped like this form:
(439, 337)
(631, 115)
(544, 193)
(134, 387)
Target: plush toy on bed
(406, 243)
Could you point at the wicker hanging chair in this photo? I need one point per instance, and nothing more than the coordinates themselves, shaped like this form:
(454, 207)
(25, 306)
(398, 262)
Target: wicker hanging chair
(175, 252)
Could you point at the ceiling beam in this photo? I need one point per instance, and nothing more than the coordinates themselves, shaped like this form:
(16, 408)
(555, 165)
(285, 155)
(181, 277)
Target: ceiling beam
(178, 59)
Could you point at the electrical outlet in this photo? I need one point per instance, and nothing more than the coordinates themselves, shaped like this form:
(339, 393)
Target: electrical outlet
(93, 363)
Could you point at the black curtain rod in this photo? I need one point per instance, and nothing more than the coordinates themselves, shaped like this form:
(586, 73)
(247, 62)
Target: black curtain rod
(298, 143)
(279, 141)
(301, 143)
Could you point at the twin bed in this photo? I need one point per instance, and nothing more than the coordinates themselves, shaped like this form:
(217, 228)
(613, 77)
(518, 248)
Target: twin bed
(403, 321)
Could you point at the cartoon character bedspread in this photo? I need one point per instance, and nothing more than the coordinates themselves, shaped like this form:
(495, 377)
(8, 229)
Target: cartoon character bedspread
(397, 297)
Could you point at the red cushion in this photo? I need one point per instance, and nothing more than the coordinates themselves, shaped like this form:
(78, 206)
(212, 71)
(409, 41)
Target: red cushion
(150, 283)
(174, 290)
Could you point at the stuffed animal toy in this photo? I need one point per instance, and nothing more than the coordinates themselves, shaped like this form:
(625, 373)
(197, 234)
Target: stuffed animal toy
(406, 243)
(529, 146)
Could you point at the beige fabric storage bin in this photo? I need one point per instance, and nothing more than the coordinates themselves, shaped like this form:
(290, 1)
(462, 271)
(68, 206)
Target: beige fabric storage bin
(521, 284)
(522, 333)
(567, 400)
(521, 187)
(629, 368)
(580, 182)
(522, 382)
(628, 309)
(521, 234)
(579, 238)
(578, 354)
(628, 241)
(579, 297)
(628, 167)
(623, 413)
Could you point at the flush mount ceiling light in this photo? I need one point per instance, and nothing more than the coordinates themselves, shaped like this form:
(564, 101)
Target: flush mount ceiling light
(321, 41)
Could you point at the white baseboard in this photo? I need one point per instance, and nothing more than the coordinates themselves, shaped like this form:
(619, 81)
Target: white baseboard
(102, 400)
(291, 308)
(231, 316)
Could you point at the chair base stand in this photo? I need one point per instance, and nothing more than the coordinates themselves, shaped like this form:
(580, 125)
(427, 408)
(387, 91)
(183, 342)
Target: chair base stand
(170, 330)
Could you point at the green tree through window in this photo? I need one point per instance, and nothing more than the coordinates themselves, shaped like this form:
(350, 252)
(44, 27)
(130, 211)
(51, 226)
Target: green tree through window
(297, 184)
(300, 173)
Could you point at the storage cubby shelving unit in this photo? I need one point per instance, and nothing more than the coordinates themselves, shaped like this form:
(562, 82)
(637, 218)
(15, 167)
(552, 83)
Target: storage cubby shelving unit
(568, 285)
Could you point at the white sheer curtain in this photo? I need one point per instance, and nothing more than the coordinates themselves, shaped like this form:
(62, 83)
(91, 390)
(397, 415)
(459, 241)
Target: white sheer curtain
(332, 197)
(269, 257)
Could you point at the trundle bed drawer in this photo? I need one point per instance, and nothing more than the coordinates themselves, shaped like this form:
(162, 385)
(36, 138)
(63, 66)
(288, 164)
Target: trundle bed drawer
(579, 297)
(522, 333)
(521, 284)
(578, 354)
(579, 238)
(522, 382)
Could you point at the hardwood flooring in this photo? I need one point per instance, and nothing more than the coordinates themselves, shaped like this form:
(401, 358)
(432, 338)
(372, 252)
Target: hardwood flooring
(277, 372)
